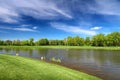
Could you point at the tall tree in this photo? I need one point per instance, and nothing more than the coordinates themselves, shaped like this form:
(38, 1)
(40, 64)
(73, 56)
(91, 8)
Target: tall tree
(61, 42)
(78, 41)
(70, 41)
(87, 41)
(65, 41)
(113, 39)
(31, 40)
(25, 43)
(16, 42)
(1, 42)
(99, 40)
(43, 42)
(8, 42)
(53, 42)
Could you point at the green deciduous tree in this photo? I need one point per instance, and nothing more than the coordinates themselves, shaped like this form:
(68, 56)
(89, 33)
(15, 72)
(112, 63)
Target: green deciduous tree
(56, 42)
(78, 41)
(1, 42)
(8, 42)
(99, 40)
(70, 41)
(87, 41)
(113, 39)
(31, 41)
(16, 43)
(53, 42)
(42, 42)
(25, 42)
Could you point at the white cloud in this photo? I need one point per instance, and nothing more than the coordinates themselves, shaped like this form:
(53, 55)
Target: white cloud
(72, 29)
(24, 29)
(96, 28)
(106, 7)
(25, 25)
(35, 27)
(10, 10)
(20, 29)
(7, 15)
(63, 13)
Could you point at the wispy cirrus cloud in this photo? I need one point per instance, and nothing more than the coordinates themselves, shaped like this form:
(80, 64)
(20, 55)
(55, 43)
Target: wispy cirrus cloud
(25, 25)
(72, 29)
(96, 28)
(7, 15)
(105, 7)
(25, 29)
(11, 11)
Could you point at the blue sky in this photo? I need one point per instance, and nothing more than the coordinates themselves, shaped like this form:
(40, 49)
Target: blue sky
(57, 19)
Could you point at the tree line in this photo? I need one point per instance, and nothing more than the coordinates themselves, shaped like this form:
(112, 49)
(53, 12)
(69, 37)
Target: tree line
(112, 39)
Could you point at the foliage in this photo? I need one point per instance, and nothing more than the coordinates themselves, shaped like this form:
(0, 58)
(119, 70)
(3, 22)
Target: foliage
(112, 39)
(31, 42)
(87, 41)
(8, 42)
(70, 41)
(56, 42)
(43, 41)
(25, 42)
(78, 41)
(98, 40)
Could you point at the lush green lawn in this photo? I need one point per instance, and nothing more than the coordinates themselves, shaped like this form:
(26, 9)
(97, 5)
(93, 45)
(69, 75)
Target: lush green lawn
(64, 47)
(20, 68)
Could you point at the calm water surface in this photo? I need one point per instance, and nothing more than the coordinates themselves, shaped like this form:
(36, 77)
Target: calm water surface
(102, 63)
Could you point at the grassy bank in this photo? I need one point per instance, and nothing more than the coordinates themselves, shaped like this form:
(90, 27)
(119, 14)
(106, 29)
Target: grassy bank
(20, 68)
(63, 47)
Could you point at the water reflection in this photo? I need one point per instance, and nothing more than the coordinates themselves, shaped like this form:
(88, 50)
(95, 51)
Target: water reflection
(102, 63)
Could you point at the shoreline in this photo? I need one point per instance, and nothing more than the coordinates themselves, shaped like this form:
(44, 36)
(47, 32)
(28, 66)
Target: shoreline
(63, 47)
(83, 69)
(42, 64)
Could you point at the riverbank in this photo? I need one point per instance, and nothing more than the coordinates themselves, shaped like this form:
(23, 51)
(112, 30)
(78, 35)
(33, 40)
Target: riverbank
(63, 47)
(20, 68)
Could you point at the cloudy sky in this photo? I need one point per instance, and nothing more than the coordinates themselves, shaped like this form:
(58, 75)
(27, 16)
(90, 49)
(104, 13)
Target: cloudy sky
(57, 19)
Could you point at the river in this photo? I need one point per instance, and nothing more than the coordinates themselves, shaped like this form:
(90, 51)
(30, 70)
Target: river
(101, 63)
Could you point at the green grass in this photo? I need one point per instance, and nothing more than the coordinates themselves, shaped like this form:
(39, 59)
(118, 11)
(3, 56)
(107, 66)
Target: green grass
(20, 68)
(63, 47)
